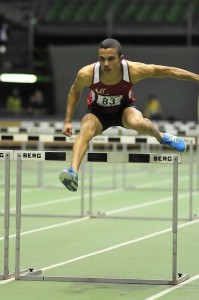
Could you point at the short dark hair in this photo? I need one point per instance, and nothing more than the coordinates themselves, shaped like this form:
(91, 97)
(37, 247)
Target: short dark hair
(111, 43)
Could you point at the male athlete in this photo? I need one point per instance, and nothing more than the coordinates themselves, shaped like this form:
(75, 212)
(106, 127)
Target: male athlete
(111, 103)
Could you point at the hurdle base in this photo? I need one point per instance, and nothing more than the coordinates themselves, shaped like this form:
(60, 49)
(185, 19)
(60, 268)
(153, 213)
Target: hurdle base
(12, 275)
(6, 277)
(28, 272)
(44, 215)
(102, 215)
(194, 217)
(30, 277)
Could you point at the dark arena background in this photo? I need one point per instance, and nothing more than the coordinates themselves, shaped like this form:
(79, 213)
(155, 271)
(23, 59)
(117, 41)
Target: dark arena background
(53, 39)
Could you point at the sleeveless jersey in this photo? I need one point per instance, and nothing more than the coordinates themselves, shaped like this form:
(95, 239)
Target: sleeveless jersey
(110, 98)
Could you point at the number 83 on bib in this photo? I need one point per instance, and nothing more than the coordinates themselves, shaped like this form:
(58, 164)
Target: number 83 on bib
(109, 100)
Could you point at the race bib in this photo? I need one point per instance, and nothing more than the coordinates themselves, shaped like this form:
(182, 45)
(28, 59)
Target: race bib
(109, 100)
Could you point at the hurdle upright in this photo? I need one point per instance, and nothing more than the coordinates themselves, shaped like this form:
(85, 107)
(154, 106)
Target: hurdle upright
(6, 156)
(35, 275)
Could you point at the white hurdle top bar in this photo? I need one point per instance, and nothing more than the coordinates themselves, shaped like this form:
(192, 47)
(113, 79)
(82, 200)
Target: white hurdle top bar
(106, 157)
(4, 152)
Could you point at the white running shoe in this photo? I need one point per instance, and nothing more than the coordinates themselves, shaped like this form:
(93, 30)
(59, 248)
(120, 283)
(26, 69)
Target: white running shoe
(69, 178)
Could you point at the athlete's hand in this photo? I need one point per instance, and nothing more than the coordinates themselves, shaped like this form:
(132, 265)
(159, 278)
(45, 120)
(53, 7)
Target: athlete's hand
(67, 130)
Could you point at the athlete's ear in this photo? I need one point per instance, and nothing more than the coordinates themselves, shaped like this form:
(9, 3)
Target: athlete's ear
(121, 57)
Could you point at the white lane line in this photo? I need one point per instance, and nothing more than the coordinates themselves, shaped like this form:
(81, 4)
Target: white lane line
(25, 190)
(62, 200)
(117, 246)
(145, 204)
(49, 227)
(162, 182)
(137, 206)
(55, 201)
(6, 281)
(163, 293)
(66, 199)
(38, 188)
(109, 248)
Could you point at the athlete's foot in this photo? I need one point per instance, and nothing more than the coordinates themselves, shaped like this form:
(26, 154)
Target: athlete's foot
(173, 142)
(69, 178)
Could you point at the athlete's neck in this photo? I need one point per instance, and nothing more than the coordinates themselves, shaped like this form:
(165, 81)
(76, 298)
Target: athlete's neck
(111, 77)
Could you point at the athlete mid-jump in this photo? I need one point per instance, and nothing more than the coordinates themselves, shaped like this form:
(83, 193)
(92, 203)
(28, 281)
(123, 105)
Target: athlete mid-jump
(111, 103)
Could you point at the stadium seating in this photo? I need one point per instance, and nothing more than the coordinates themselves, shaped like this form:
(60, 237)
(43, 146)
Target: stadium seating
(124, 11)
(67, 12)
(159, 12)
(176, 13)
(128, 13)
(75, 13)
(98, 12)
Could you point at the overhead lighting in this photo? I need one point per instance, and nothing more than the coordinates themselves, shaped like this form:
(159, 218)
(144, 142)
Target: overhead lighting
(18, 78)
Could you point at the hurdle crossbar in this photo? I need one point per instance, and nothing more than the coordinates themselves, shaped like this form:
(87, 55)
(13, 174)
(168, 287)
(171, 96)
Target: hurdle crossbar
(101, 139)
(109, 158)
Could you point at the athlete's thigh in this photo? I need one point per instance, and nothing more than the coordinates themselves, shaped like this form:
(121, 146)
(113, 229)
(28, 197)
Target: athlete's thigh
(90, 124)
(131, 117)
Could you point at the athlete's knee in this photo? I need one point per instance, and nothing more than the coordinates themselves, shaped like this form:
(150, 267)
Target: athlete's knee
(146, 126)
(87, 131)
(147, 122)
(132, 117)
(141, 125)
(90, 125)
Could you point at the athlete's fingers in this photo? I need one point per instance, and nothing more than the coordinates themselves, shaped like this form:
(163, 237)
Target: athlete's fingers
(67, 130)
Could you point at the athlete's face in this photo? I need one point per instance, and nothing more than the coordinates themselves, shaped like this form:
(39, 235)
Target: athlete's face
(109, 60)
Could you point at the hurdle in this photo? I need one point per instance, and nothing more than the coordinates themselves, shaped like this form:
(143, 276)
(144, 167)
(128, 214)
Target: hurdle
(145, 143)
(6, 156)
(35, 275)
(41, 156)
(143, 140)
(41, 139)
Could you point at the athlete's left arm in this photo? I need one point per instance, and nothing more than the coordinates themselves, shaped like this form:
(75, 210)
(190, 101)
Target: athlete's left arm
(139, 71)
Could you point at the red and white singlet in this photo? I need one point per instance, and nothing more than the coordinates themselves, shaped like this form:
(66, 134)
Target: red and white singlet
(110, 98)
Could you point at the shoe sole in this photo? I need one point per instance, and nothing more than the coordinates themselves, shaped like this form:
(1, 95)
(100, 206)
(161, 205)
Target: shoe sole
(181, 150)
(174, 148)
(65, 179)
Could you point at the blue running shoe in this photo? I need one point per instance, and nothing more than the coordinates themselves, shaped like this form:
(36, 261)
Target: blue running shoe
(174, 142)
(69, 178)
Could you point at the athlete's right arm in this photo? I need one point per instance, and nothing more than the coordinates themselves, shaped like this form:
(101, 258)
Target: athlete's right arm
(82, 80)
